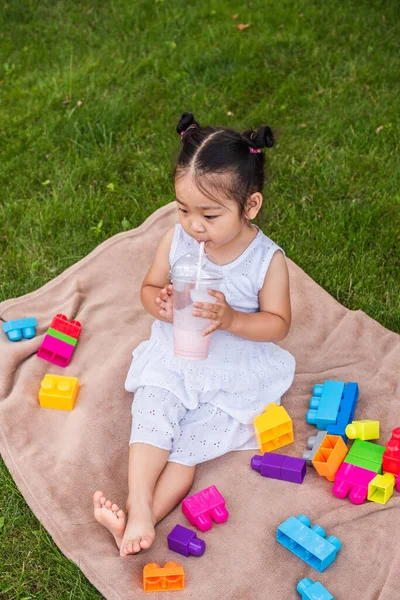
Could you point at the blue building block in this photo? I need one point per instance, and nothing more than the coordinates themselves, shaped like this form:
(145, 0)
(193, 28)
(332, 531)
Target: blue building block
(309, 590)
(308, 543)
(15, 330)
(325, 403)
(346, 412)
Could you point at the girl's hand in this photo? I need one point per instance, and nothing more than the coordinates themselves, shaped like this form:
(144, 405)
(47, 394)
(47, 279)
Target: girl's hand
(220, 313)
(165, 303)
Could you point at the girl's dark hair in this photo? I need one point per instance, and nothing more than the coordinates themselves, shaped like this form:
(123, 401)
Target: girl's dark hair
(219, 159)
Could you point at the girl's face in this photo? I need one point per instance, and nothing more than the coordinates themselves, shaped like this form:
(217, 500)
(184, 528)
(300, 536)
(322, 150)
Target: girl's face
(204, 219)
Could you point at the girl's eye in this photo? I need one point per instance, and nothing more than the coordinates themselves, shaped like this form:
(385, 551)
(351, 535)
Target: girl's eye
(210, 217)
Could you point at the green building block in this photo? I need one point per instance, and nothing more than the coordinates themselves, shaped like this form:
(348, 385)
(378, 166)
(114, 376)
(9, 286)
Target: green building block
(366, 455)
(62, 336)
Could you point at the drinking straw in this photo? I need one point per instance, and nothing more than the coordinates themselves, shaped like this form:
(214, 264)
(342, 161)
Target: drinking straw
(199, 265)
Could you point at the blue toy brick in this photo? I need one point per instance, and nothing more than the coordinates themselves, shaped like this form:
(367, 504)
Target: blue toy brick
(309, 590)
(346, 412)
(308, 543)
(16, 330)
(325, 403)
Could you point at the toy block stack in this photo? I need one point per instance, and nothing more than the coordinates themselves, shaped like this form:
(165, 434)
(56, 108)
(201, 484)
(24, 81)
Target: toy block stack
(60, 341)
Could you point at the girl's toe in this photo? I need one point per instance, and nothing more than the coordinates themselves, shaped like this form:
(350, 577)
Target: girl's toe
(108, 504)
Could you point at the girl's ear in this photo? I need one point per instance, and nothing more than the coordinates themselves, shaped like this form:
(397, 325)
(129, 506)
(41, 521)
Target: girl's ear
(253, 205)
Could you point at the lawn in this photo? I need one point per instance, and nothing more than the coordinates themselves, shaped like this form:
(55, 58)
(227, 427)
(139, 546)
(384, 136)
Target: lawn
(89, 100)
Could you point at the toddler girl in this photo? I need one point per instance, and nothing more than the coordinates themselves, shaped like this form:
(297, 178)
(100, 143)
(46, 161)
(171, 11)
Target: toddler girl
(186, 412)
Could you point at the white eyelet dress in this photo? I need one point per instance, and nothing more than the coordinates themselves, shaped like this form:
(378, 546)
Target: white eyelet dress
(201, 409)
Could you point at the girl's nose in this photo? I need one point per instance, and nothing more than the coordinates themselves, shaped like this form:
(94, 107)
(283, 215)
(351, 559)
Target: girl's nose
(197, 227)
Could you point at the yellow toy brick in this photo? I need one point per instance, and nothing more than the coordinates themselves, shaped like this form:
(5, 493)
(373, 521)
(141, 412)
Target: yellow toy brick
(58, 391)
(274, 428)
(381, 487)
(363, 430)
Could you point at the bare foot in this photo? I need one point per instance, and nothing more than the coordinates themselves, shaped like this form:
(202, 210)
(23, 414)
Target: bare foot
(139, 532)
(109, 515)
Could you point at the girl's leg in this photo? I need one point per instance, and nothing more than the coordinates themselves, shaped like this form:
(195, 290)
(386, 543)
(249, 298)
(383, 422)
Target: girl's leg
(172, 486)
(145, 465)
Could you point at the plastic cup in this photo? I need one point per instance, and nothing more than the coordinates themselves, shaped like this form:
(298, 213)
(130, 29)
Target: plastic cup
(187, 328)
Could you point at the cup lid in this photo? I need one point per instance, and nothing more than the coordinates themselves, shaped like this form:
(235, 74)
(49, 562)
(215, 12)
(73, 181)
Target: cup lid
(186, 268)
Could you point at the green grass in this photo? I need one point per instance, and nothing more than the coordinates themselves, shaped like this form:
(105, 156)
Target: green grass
(89, 100)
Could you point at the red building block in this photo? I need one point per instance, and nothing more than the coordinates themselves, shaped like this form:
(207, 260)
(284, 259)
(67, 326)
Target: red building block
(391, 456)
(61, 323)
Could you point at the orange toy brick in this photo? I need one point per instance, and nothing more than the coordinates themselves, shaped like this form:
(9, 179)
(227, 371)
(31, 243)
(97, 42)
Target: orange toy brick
(330, 456)
(274, 428)
(58, 391)
(163, 579)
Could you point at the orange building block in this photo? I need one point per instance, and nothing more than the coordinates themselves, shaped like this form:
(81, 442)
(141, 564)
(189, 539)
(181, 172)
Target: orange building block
(330, 456)
(163, 579)
(274, 428)
(58, 391)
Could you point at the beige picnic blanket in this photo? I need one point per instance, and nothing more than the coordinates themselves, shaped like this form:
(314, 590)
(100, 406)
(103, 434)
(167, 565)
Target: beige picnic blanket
(58, 459)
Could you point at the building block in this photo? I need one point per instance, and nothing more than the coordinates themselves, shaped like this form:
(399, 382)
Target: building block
(274, 428)
(55, 351)
(398, 483)
(346, 412)
(380, 488)
(58, 391)
(204, 507)
(163, 579)
(313, 444)
(324, 405)
(309, 590)
(185, 542)
(366, 455)
(352, 480)
(62, 336)
(20, 328)
(72, 328)
(391, 456)
(363, 430)
(329, 456)
(308, 543)
(278, 466)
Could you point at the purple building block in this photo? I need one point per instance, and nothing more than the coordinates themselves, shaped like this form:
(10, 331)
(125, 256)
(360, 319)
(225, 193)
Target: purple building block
(278, 466)
(185, 542)
(204, 506)
(55, 351)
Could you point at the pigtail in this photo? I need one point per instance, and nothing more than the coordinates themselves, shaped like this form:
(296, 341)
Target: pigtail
(262, 138)
(187, 121)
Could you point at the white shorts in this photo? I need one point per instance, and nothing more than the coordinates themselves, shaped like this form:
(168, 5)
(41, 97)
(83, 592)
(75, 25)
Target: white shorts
(192, 436)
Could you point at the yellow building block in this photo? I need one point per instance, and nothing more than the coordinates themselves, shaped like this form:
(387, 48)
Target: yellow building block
(363, 430)
(381, 487)
(274, 428)
(58, 391)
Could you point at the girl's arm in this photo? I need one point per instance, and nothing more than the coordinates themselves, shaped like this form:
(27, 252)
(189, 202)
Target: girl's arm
(157, 277)
(272, 323)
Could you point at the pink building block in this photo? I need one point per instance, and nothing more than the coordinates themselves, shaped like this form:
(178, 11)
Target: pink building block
(398, 483)
(55, 351)
(204, 506)
(354, 481)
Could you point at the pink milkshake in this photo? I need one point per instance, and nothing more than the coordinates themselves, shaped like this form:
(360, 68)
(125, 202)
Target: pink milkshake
(191, 284)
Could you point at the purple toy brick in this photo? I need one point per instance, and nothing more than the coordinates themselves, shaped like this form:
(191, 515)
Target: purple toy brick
(278, 466)
(204, 506)
(55, 351)
(269, 465)
(185, 542)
